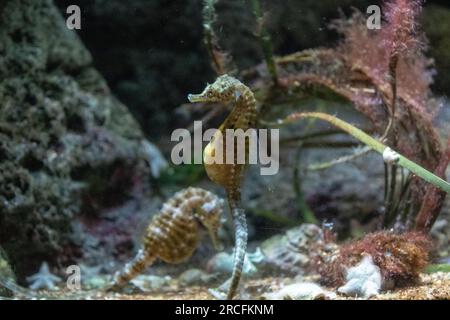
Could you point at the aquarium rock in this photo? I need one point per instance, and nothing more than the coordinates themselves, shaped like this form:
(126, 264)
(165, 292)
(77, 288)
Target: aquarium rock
(256, 257)
(68, 148)
(147, 283)
(96, 282)
(43, 279)
(156, 160)
(6, 273)
(363, 280)
(290, 252)
(194, 277)
(223, 262)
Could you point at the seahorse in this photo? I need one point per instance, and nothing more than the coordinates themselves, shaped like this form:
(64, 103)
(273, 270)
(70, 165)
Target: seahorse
(172, 236)
(227, 89)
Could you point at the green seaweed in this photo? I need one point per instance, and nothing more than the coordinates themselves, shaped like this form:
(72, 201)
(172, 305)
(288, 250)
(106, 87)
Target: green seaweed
(185, 175)
(433, 268)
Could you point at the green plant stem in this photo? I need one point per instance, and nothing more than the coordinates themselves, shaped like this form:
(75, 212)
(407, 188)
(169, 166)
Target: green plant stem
(331, 144)
(389, 204)
(386, 181)
(209, 37)
(404, 196)
(311, 135)
(265, 41)
(372, 143)
(307, 213)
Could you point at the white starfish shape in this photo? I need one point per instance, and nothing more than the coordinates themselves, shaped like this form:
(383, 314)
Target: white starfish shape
(43, 279)
(88, 271)
(363, 280)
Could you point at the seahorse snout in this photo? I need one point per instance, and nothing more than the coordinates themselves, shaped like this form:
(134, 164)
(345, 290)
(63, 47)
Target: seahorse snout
(195, 98)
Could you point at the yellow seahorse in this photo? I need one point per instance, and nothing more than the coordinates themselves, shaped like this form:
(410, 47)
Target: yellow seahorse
(227, 89)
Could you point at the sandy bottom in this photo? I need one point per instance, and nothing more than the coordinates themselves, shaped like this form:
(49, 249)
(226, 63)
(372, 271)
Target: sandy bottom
(431, 287)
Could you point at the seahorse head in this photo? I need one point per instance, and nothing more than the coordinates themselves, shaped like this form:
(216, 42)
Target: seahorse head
(210, 216)
(224, 89)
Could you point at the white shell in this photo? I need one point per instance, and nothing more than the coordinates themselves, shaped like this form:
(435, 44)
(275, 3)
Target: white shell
(390, 156)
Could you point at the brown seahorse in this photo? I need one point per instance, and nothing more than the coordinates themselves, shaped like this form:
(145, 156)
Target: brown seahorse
(227, 89)
(172, 236)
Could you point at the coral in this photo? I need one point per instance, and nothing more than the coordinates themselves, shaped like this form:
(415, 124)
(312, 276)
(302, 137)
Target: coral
(362, 280)
(392, 60)
(43, 279)
(401, 26)
(400, 257)
(358, 70)
(68, 148)
(174, 233)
